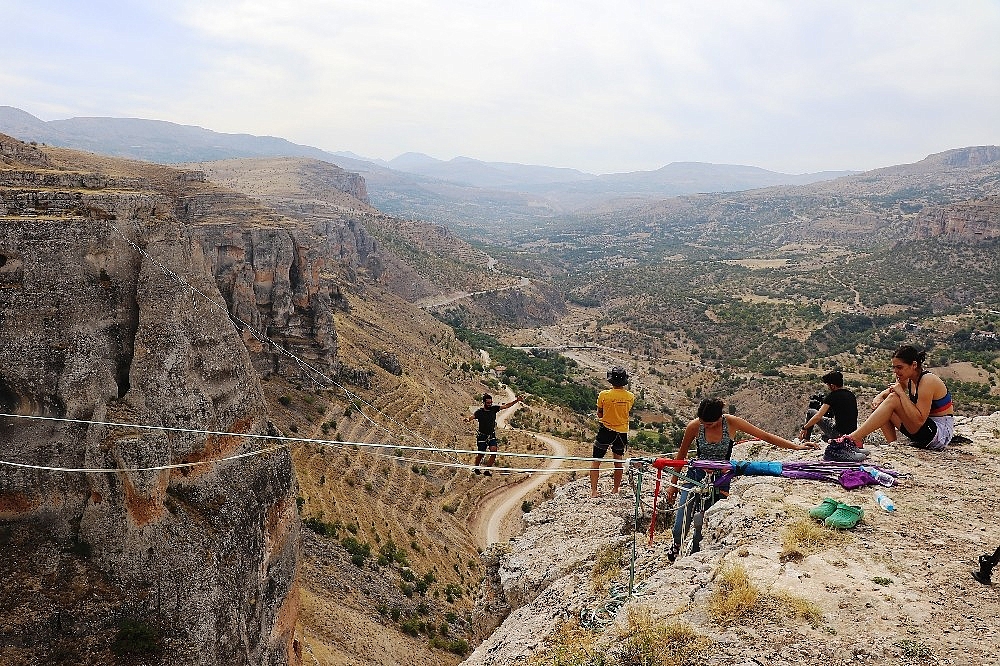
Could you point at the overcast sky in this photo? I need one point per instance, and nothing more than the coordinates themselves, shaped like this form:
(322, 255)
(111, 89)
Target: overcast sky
(609, 86)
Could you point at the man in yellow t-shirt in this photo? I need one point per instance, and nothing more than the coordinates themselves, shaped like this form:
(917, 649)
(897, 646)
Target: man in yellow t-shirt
(613, 408)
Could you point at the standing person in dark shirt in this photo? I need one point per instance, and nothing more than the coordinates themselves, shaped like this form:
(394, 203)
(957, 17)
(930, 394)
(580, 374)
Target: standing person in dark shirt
(486, 438)
(841, 403)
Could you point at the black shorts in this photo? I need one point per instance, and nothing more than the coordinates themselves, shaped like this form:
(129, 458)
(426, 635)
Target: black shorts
(607, 437)
(922, 437)
(484, 442)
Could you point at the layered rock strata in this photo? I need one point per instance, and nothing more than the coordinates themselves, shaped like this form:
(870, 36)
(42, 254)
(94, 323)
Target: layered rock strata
(101, 320)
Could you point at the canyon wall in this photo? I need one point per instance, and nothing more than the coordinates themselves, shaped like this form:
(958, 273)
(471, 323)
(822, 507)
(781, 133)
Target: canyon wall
(100, 322)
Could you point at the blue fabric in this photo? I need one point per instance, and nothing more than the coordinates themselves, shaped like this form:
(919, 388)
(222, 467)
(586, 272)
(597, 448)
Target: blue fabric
(762, 468)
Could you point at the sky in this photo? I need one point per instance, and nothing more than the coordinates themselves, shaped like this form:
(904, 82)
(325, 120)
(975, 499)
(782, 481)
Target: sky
(793, 86)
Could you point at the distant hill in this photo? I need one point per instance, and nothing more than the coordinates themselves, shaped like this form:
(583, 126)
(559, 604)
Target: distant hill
(148, 140)
(462, 192)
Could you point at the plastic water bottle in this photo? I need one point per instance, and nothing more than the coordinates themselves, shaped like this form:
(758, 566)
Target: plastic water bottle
(884, 501)
(882, 478)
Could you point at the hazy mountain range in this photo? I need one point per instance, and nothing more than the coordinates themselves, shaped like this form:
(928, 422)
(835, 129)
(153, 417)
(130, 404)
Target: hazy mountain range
(410, 183)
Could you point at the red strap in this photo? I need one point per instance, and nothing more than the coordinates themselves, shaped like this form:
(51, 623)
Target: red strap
(676, 464)
(656, 495)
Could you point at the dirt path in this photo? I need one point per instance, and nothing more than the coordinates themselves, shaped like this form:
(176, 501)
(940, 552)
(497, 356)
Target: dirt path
(494, 519)
(444, 299)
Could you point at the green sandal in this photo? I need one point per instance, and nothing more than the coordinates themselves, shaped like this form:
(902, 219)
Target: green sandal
(845, 517)
(825, 509)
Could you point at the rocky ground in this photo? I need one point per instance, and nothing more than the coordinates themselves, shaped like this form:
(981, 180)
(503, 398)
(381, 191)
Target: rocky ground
(896, 589)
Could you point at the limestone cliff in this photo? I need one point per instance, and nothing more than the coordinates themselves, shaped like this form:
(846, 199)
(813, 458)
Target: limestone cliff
(183, 566)
(974, 220)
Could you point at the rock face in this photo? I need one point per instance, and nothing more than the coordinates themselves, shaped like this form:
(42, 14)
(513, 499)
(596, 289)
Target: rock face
(976, 221)
(100, 321)
(895, 586)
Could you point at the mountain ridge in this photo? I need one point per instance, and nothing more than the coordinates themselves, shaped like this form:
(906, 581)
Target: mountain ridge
(167, 142)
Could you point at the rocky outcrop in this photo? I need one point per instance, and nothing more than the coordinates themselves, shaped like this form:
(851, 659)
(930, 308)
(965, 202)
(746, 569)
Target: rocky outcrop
(529, 304)
(975, 221)
(972, 156)
(895, 586)
(110, 312)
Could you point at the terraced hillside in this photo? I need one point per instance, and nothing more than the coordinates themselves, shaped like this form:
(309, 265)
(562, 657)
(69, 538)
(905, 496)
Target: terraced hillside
(390, 571)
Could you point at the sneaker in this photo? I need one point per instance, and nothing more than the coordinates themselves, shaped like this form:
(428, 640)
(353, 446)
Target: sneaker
(487, 473)
(840, 451)
(846, 440)
(825, 509)
(845, 517)
(982, 577)
(673, 552)
(478, 471)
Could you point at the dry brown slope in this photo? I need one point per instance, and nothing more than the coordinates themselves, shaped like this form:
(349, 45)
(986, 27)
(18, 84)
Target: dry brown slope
(418, 501)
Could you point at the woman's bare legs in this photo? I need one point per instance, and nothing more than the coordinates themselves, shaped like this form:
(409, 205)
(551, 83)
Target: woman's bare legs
(889, 430)
(887, 417)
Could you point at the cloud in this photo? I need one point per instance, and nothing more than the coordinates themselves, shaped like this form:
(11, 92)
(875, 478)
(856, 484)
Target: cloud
(599, 86)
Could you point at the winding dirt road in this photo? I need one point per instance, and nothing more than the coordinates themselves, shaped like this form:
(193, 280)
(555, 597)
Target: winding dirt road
(494, 519)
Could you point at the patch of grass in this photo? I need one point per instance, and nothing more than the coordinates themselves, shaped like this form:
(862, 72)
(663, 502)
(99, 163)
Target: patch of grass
(737, 600)
(648, 642)
(882, 580)
(642, 641)
(608, 564)
(570, 645)
(799, 608)
(913, 649)
(805, 537)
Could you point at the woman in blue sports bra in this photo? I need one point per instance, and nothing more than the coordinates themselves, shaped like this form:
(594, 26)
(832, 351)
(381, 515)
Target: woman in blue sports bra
(917, 404)
(710, 433)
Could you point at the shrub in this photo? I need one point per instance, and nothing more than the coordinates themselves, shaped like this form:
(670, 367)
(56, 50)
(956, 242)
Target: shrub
(322, 528)
(411, 626)
(737, 600)
(805, 537)
(359, 551)
(459, 647)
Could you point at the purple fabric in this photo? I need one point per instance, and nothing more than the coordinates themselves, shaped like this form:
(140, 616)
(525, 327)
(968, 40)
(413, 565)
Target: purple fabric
(809, 474)
(812, 470)
(856, 478)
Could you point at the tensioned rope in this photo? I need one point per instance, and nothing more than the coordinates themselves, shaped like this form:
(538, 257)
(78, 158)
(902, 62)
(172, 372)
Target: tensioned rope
(286, 441)
(262, 338)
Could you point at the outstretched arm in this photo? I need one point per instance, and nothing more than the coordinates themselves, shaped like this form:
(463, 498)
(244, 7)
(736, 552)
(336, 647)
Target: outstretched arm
(749, 428)
(513, 402)
(817, 417)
